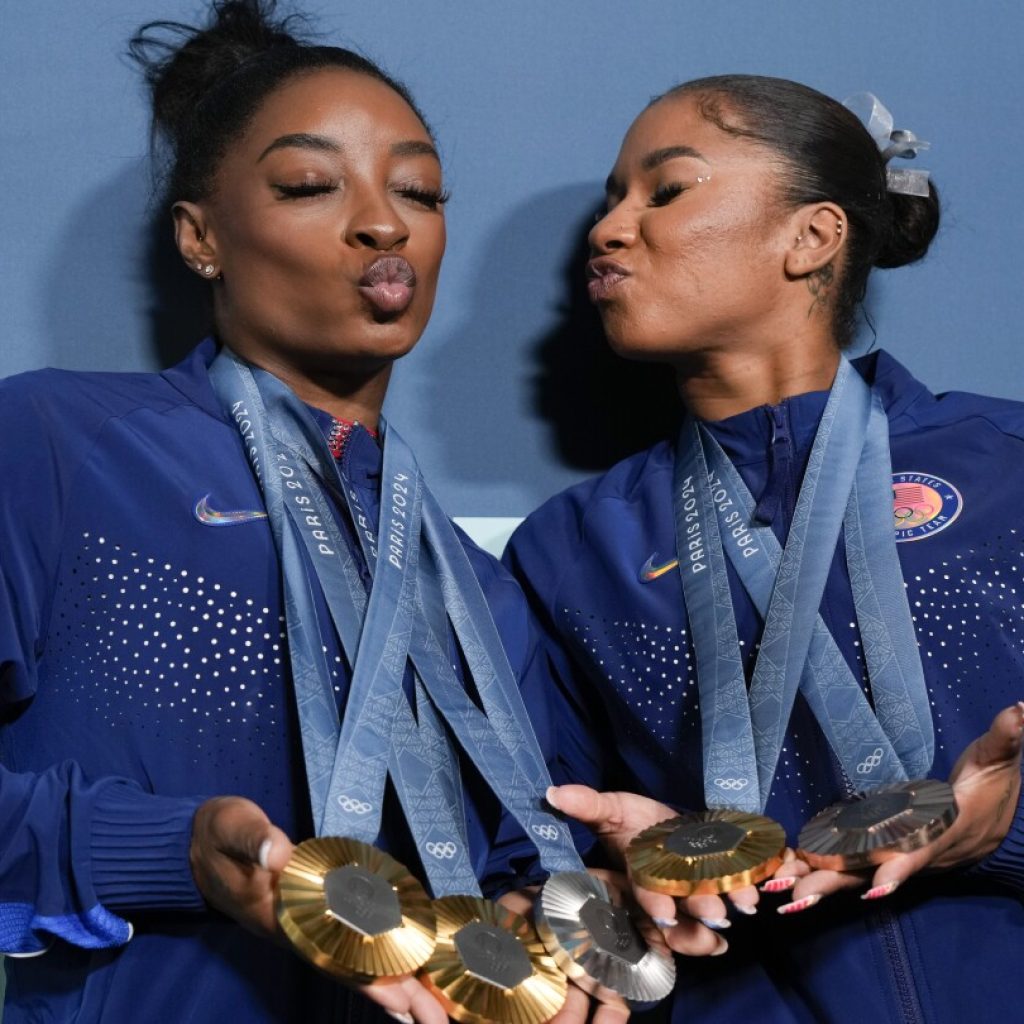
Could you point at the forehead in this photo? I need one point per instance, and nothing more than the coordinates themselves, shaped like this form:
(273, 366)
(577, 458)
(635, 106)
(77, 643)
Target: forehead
(677, 121)
(336, 102)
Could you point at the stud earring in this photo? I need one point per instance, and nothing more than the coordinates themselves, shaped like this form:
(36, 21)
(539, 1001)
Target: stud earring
(839, 228)
(208, 270)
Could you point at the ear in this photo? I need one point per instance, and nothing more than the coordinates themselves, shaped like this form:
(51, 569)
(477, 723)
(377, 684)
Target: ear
(819, 236)
(194, 239)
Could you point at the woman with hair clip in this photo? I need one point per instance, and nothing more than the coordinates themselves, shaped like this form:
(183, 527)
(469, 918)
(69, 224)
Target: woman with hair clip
(814, 591)
(170, 551)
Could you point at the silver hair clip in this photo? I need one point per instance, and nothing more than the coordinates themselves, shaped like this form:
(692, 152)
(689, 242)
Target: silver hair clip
(899, 144)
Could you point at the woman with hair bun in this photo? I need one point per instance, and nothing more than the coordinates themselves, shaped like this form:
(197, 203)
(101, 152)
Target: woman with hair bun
(161, 601)
(814, 591)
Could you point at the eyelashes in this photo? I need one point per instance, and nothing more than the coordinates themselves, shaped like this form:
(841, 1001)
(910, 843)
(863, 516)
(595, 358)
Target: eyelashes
(664, 194)
(429, 198)
(305, 190)
(661, 196)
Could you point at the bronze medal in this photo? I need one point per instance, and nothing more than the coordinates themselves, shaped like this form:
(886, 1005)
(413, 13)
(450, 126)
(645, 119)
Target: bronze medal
(876, 825)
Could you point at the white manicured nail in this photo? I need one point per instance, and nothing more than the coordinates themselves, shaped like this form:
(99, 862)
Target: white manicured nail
(404, 1018)
(716, 923)
(264, 855)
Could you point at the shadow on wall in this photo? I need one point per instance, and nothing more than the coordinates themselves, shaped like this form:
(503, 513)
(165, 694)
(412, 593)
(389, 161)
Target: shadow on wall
(118, 296)
(599, 407)
(530, 351)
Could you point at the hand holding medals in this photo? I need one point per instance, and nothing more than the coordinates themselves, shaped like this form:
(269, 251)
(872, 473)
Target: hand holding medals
(886, 836)
(347, 906)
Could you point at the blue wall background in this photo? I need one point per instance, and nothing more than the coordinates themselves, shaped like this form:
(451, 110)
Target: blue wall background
(529, 100)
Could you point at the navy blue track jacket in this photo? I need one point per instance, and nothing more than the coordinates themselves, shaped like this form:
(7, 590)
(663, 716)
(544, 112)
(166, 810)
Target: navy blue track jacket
(596, 563)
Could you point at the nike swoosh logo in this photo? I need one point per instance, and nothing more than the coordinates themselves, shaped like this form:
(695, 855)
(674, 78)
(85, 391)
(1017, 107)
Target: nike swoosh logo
(211, 517)
(650, 571)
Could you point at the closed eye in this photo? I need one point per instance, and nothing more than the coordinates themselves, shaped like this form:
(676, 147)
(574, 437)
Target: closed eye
(305, 189)
(664, 194)
(429, 198)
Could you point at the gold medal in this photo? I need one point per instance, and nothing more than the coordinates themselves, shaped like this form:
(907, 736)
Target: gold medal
(876, 825)
(490, 967)
(354, 911)
(597, 944)
(706, 853)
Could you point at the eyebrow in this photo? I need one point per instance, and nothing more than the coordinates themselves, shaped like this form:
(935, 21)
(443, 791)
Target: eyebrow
(301, 140)
(322, 144)
(655, 159)
(414, 147)
(660, 156)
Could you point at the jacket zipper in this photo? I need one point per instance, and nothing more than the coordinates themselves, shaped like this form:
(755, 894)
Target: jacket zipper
(885, 923)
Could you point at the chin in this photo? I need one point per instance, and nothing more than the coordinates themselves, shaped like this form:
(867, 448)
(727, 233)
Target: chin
(635, 345)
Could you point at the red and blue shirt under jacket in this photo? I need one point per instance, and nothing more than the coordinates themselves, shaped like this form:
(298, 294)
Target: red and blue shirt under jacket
(597, 564)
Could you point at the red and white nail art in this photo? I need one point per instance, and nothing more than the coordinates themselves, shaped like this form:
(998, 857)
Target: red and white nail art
(778, 885)
(797, 905)
(880, 890)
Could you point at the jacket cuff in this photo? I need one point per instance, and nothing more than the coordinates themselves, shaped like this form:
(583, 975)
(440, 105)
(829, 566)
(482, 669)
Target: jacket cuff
(1005, 863)
(140, 850)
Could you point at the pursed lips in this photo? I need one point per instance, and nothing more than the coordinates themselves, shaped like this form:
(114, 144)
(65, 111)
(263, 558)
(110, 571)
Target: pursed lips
(604, 275)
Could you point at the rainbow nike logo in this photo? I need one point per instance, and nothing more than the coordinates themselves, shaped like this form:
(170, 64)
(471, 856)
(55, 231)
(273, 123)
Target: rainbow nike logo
(211, 517)
(649, 571)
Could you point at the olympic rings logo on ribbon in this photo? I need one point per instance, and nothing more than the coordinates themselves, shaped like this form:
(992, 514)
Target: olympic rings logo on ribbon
(732, 784)
(442, 851)
(548, 832)
(871, 762)
(352, 805)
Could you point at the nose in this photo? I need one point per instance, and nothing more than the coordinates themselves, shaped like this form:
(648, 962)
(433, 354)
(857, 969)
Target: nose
(615, 230)
(376, 224)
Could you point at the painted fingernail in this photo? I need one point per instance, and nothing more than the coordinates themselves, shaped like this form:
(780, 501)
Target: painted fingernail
(405, 1018)
(879, 891)
(665, 922)
(551, 797)
(720, 948)
(263, 855)
(778, 885)
(797, 905)
(745, 908)
(716, 923)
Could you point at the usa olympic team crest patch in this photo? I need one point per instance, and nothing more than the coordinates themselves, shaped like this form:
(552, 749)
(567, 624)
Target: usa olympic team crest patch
(923, 504)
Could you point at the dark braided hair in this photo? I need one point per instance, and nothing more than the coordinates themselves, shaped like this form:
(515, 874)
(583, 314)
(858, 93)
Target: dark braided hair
(831, 157)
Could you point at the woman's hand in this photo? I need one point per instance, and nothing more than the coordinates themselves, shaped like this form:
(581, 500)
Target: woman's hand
(986, 781)
(236, 856)
(690, 925)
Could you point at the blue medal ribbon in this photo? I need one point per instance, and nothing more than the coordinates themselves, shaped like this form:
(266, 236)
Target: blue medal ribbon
(743, 733)
(405, 618)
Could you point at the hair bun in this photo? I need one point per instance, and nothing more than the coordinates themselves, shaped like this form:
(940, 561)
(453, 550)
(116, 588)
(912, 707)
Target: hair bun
(915, 221)
(181, 63)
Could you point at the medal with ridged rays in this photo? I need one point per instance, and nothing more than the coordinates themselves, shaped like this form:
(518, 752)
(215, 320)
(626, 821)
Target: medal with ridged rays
(706, 852)
(354, 911)
(874, 826)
